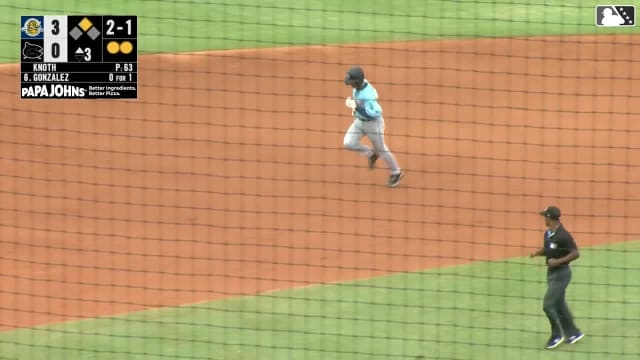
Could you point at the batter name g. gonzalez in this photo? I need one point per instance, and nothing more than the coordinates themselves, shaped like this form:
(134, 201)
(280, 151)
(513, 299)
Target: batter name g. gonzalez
(368, 120)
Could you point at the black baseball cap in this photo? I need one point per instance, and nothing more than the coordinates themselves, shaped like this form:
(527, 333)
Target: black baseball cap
(552, 212)
(354, 75)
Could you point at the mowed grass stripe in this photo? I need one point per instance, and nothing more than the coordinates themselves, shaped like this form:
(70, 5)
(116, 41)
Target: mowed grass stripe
(188, 25)
(486, 310)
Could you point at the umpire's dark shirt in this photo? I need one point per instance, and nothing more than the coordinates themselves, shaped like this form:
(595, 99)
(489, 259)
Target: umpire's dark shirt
(558, 244)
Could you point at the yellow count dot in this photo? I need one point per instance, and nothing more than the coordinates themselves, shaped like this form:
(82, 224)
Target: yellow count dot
(126, 47)
(113, 47)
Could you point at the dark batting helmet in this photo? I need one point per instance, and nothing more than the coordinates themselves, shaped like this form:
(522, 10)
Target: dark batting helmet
(355, 75)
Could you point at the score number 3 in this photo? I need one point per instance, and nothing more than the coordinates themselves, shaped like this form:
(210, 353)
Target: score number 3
(55, 27)
(55, 46)
(111, 24)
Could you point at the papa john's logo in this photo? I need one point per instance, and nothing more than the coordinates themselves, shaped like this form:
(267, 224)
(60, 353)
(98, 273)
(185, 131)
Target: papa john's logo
(32, 27)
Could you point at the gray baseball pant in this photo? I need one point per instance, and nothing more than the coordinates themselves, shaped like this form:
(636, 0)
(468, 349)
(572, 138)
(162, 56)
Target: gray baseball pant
(555, 305)
(374, 130)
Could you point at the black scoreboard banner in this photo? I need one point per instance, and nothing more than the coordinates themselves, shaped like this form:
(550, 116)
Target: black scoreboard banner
(90, 57)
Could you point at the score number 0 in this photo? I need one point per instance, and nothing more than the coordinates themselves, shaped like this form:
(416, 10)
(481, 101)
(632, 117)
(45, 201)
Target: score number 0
(55, 46)
(55, 30)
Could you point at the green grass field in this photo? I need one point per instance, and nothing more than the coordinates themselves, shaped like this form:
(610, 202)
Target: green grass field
(185, 25)
(489, 310)
(486, 310)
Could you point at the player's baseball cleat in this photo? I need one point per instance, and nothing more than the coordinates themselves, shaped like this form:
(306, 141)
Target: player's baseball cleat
(554, 341)
(575, 338)
(372, 160)
(394, 179)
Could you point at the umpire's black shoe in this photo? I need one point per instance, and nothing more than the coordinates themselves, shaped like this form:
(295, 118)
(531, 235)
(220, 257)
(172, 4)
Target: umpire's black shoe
(554, 341)
(575, 338)
(372, 160)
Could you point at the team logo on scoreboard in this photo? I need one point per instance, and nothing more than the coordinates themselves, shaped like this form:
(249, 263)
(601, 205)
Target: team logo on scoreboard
(32, 51)
(32, 27)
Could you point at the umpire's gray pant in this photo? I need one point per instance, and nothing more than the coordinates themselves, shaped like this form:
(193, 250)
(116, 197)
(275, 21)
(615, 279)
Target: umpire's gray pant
(555, 305)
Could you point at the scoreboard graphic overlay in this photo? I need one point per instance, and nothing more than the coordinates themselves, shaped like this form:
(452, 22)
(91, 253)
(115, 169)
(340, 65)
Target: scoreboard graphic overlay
(91, 57)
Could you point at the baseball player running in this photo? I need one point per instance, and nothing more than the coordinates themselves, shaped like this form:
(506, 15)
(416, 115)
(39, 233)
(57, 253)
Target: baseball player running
(560, 250)
(368, 120)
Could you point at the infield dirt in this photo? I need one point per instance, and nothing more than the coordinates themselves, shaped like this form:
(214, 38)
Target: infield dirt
(228, 177)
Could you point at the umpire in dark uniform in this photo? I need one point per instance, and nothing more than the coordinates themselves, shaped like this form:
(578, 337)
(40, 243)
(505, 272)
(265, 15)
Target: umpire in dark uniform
(559, 249)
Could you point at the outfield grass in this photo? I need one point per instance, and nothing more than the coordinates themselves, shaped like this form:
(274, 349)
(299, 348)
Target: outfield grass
(488, 310)
(185, 25)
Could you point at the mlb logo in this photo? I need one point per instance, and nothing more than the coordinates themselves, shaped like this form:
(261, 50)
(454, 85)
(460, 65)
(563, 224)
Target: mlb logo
(615, 15)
